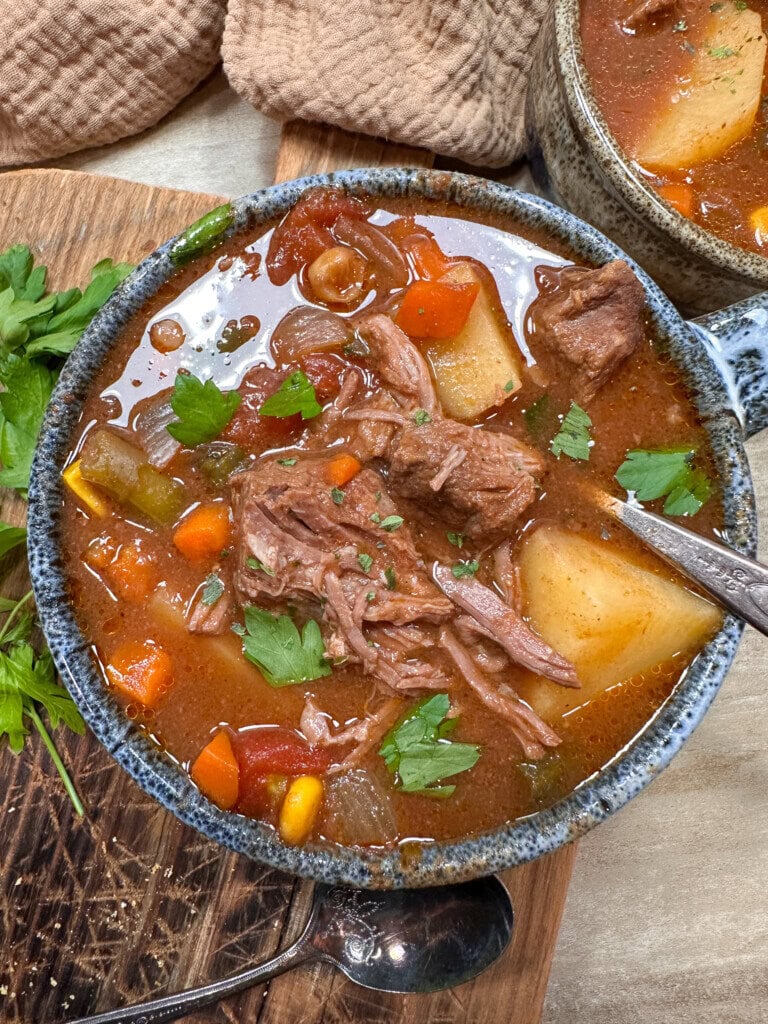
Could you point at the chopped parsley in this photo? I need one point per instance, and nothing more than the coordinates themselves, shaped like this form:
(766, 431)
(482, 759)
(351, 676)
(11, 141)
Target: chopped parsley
(510, 385)
(669, 473)
(212, 590)
(391, 523)
(365, 562)
(389, 576)
(282, 654)
(457, 539)
(420, 417)
(572, 439)
(721, 52)
(287, 462)
(680, 26)
(463, 569)
(338, 495)
(417, 751)
(257, 566)
(295, 395)
(203, 410)
(376, 517)
(370, 596)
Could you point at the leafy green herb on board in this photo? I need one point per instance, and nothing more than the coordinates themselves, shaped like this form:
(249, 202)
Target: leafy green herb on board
(295, 395)
(573, 437)
(418, 751)
(203, 410)
(283, 655)
(669, 473)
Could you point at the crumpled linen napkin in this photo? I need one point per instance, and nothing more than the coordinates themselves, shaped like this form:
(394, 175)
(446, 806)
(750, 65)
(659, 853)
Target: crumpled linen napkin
(448, 75)
(77, 73)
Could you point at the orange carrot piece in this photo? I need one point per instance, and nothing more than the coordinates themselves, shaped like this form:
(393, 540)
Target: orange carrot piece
(399, 228)
(132, 574)
(141, 670)
(204, 533)
(216, 772)
(678, 195)
(436, 309)
(342, 469)
(429, 260)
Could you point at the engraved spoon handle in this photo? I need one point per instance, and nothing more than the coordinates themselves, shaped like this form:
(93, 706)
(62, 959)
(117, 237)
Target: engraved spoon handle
(738, 583)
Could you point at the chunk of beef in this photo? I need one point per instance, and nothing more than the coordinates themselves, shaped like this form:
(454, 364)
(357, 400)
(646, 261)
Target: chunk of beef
(398, 362)
(210, 619)
(499, 622)
(593, 320)
(647, 13)
(482, 479)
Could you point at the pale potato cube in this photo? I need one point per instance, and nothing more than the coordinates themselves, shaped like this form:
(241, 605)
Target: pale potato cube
(478, 368)
(715, 98)
(611, 617)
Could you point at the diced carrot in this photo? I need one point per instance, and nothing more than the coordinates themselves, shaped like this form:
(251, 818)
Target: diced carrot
(100, 552)
(678, 195)
(759, 221)
(215, 771)
(342, 469)
(204, 533)
(141, 671)
(428, 258)
(399, 228)
(436, 309)
(132, 574)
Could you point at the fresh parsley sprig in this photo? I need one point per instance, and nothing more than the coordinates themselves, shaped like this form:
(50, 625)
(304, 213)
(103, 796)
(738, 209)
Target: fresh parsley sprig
(670, 473)
(203, 410)
(282, 654)
(573, 439)
(295, 395)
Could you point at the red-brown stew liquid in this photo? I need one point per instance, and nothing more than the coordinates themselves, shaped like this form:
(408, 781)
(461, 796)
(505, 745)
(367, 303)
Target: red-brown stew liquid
(646, 59)
(435, 354)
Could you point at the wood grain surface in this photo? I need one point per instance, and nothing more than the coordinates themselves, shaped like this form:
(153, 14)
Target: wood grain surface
(128, 903)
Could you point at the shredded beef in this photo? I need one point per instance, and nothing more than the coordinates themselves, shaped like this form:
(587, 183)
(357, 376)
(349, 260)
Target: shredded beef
(398, 362)
(592, 321)
(645, 13)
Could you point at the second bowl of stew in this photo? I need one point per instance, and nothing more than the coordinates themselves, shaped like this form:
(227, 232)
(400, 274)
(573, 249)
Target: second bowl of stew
(314, 537)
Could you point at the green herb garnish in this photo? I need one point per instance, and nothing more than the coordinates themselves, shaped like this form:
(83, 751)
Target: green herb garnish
(457, 539)
(655, 474)
(337, 495)
(365, 562)
(573, 437)
(463, 569)
(390, 577)
(721, 52)
(284, 657)
(391, 523)
(420, 417)
(257, 566)
(203, 410)
(295, 395)
(680, 26)
(212, 590)
(417, 751)
(287, 462)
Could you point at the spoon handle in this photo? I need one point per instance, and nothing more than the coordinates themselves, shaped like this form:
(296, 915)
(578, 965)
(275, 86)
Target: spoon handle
(738, 583)
(172, 1007)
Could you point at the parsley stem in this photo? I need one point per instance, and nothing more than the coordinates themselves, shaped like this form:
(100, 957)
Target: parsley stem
(31, 710)
(13, 613)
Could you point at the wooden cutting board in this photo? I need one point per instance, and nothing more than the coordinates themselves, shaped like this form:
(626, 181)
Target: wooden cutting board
(128, 903)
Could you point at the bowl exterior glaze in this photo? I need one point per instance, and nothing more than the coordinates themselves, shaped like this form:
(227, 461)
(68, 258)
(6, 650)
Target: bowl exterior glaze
(439, 863)
(578, 163)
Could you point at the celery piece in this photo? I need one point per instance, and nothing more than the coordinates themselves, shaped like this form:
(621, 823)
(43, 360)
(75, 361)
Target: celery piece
(202, 234)
(219, 461)
(157, 495)
(112, 463)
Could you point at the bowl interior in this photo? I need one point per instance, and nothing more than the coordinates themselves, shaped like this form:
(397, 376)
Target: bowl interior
(439, 863)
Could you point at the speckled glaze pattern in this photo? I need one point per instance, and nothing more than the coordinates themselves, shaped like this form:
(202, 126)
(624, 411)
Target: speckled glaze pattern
(578, 163)
(515, 843)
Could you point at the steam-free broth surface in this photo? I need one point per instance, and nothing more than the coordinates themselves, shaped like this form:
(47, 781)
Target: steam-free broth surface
(139, 580)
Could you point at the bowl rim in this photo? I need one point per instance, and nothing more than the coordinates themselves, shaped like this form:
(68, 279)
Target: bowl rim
(512, 844)
(621, 171)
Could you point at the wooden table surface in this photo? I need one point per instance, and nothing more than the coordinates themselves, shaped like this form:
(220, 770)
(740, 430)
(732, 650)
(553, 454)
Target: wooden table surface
(667, 914)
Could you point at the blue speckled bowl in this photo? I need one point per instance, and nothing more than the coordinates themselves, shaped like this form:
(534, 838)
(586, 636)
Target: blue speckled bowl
(726, 376)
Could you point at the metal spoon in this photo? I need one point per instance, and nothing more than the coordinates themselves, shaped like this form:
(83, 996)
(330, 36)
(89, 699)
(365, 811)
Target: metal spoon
(417, 940)
(738, 583)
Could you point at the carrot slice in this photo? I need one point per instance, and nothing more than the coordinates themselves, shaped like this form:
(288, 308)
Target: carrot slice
(215, 771)
(342, 469)
(204, 533)
(132, 574)
(678, 195)
(436, 309)
(428, 258)
(141, 671)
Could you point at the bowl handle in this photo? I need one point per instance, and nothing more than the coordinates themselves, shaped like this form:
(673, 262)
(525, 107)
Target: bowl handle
(737, 339)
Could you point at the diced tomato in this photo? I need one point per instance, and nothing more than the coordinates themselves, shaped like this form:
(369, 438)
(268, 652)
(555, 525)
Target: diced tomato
(323, 370)
(247, 428)
(266, 755)
(436, 309)
(429, 260)
(305, 232)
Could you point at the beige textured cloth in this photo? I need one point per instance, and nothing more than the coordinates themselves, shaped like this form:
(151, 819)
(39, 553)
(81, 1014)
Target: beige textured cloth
(77, 73)
(445, 74)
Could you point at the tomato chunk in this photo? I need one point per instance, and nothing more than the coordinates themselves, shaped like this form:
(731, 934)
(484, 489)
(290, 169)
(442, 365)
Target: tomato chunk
(265, 756)
(436, 309)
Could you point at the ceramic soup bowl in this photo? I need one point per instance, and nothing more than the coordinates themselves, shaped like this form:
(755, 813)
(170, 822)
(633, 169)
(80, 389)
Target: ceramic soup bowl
(724, 369)
(578, 163)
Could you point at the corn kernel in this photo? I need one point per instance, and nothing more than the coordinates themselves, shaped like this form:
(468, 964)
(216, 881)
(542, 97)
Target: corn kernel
(85, 491)
(300, 809)
(759, 221)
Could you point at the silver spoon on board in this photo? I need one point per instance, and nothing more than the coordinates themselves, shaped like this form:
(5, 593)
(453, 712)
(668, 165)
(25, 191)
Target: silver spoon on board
(414, 940)
(738, 583)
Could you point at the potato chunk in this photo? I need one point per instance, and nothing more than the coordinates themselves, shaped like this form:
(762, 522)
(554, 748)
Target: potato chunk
(611, 617)
(714, 99)
(479, 367)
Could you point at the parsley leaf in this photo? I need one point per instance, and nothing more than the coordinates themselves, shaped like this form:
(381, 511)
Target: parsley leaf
(391, 523)
(284, 657)
(457, 539)
(365, 562)
(28, 386)
(212, 590)
(420, 417)
(287, 462)
(417, 751)
(721, 52)
(654, 474)
(573, 437)
(295, 395)
(463, 569)
(337, 495)
(257, 566)
(203, 410)
(390, 577)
